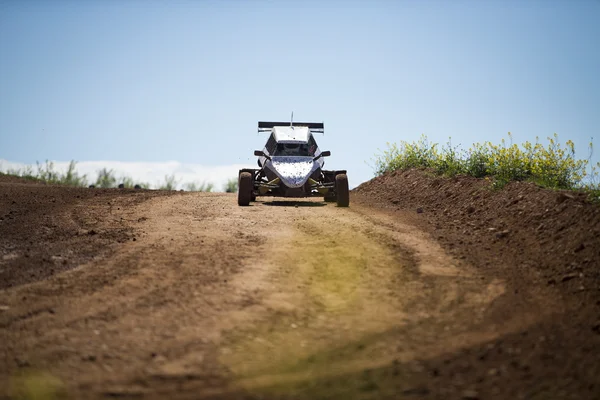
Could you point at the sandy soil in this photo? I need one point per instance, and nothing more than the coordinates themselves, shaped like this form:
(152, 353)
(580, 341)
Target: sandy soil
(149, 294)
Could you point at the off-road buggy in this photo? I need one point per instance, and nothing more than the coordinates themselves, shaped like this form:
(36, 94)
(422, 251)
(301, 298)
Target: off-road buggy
(291, 165)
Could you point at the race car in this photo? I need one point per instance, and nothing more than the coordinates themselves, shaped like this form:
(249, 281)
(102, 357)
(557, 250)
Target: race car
(291, 165)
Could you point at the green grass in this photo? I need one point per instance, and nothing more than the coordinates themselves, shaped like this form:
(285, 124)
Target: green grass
(551, 165)
(199, 187)
(37, 385)
(106, 178)
(231, 186)
(46, 173)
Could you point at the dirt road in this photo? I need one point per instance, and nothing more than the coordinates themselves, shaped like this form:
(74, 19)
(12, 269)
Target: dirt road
(205, 299)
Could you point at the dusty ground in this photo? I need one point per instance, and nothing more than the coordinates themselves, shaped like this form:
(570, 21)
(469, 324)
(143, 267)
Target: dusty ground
(423, 288)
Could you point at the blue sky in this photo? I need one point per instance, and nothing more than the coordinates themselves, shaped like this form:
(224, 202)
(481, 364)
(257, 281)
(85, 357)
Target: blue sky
(154, 81)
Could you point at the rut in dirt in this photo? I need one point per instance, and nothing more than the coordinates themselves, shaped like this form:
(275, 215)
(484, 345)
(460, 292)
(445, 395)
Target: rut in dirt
(353, 295)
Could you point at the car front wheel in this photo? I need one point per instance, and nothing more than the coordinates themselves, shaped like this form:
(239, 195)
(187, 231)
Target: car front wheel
(245, 188)
(341, 189)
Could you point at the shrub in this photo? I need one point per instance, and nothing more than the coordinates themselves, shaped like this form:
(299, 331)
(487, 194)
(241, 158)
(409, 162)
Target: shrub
(106, 179)
(47, 173)
(406, 155)
(553, 165)
(72, 177)
(231, 186)
(129, 183)
(199, 187)
(26, 173)
(170, 183)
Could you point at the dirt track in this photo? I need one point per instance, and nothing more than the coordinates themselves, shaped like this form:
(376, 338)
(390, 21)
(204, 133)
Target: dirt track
(187, 295)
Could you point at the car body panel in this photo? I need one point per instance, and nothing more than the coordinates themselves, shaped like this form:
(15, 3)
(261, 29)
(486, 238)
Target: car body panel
(294, 171)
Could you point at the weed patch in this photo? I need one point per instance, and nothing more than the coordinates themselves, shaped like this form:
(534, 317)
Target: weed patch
(106, 178)
(551, 165)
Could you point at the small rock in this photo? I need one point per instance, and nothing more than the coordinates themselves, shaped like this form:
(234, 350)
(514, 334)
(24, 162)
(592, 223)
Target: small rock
(419, 210)
(4, 308)
(563, 196)
(568, 277)
(137, 187)
(22, 363)
(121, 186)
(502, 234)
(579, 248)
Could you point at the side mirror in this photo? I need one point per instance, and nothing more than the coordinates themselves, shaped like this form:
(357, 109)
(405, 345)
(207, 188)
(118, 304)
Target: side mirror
(260, 153)
(323, 154)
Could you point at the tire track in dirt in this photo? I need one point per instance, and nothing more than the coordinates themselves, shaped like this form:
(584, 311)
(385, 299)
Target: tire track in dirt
(355, 293)
(123, 320)
(215, 300)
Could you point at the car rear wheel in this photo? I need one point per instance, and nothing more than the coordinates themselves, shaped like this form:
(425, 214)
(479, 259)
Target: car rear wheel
(341, 189)
(245, 188)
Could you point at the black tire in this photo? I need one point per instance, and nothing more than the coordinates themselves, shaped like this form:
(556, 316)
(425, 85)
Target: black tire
(245, 188)
(341, 189)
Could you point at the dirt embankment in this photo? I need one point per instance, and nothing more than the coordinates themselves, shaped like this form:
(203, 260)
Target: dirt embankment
(424, 288)
(534, 239)
(556, 233)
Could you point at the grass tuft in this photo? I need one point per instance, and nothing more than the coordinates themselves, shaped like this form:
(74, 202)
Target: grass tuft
(199, 187)
(231, 186)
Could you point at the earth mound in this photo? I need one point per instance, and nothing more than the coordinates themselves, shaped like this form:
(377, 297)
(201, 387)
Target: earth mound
(554, 232)
(534, 239)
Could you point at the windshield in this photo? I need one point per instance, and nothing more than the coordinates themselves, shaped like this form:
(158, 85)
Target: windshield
(293, 149)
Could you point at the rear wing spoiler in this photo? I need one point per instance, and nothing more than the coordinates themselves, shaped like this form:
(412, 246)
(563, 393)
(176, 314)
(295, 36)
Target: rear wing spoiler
(314, 127)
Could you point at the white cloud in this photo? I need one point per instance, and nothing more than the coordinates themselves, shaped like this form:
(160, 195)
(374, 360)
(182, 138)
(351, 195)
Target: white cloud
(148, 172)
